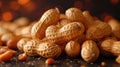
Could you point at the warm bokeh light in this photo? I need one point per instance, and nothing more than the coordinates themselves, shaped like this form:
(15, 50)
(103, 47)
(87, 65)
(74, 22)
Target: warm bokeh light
(0, 4)
(14, 5)
(33, 9)
(29, 7)
(7, 16)
(114, 1)
(106, 17)
(78, 4)
(23, 2)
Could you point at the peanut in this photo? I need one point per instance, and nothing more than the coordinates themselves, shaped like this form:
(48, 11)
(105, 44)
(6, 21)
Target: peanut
(118, 59)
(7, 36)
(115, 25)
(6, 56)
(48, 50)
(66, 33)
(89, 19)
(75, 14)
(98, 31)
(50, 17)
(21, 43)
(30, 47)
(49, 61)
(72, 48)
(111, 46)
(3, 31)
(22, 21)
(12, 43)
(90, 51)
(63, 22)
(22, 57)
(24, 31)
(3, 49)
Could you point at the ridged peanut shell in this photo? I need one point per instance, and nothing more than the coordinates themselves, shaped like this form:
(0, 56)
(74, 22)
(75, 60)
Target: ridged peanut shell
(72, 48)
(90, 51)
(74, 14)
(30, 47)
(98, 31)
(22, 42)
(48, 50)
(50, 17)
(66, 33)
(115, 25)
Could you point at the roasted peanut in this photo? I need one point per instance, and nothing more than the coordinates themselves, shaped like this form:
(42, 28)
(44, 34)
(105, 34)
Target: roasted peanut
(12, 43)
(30, 47)
(111, 46)
(21, 43)
(50, 17)
(90, 51)
(118, 59)
(98, 31)
(3, 49)
(63, 22)
(24, 31)
(75, 14)
(6, 56)
(22, 57)
(115, 25)
(7, 36)
(49, 61)
(89, 19)
(3, 31)
(66, 33)
(72, 48)
(48, 50)
(22, 21)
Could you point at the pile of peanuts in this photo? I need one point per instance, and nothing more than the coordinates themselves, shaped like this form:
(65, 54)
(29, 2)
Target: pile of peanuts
(75, 33)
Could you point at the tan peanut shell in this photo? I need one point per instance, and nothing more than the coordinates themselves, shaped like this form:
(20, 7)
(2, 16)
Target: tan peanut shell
(75, 14)
(116, 48)
(66, 33)
(118, 59)
(89, 19)
(48, 50)
(3, 31)
(50, 17)
(6, 36)
(111, 46)
(22, 42)
(63, 22)
(115, 25)
(72, 48)
(30, 47)
(22, 21)
(98, 31)
(25, 32)
(89, 51)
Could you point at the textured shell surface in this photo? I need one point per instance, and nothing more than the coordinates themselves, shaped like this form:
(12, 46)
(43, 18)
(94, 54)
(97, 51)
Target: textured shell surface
(47, 50)
(50, 17)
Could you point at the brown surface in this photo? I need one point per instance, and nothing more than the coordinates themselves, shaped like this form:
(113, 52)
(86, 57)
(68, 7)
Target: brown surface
(61, 61)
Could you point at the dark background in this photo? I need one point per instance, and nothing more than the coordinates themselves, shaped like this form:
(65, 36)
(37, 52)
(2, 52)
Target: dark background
(33, 9)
